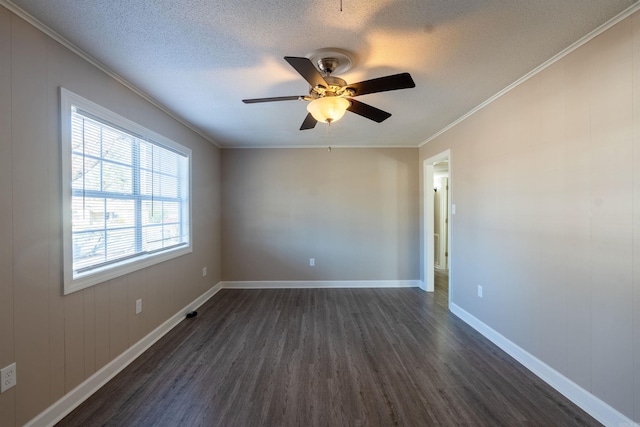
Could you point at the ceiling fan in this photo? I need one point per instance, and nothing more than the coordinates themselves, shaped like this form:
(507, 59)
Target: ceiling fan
(331, 96)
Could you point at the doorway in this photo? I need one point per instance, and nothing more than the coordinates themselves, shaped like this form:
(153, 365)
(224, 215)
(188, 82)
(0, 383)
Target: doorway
(437, 222)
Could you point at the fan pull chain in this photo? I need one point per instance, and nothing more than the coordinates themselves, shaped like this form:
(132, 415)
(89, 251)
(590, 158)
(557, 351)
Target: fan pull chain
(340, 5)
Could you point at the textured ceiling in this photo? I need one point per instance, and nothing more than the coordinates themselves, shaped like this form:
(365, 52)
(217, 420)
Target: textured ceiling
(200, 58)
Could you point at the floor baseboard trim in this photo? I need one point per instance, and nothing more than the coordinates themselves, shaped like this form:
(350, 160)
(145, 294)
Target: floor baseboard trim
(591, 404)
(314, 284)
(82, 392)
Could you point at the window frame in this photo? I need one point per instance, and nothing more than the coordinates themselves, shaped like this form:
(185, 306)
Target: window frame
(71, 282)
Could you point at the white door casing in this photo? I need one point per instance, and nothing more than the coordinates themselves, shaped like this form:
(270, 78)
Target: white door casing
(428, 212)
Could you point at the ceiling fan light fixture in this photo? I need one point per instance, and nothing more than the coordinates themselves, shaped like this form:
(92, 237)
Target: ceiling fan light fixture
(328, 109)
(330, 97)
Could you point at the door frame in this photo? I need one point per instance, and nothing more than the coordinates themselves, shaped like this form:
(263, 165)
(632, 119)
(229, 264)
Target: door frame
(428, 218)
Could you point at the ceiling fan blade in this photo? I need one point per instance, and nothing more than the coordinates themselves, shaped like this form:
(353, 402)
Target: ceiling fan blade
(383, 84)
(306, 69)
(277, 98)
(366, 110)
(309, 122)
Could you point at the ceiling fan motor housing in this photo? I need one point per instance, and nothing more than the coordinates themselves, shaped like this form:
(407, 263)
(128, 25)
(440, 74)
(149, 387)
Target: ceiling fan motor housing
(337, 87)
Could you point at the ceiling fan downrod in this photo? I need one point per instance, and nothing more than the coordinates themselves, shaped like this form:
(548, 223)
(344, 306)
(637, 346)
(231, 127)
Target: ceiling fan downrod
(327, 65)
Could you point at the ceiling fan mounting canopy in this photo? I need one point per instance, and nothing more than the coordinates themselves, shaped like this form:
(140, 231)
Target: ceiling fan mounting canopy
(332, 96)
(339, 61)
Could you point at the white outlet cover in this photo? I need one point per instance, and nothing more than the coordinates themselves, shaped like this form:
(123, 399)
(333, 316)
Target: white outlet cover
(139, 306)
(8, 377)
(204, 271)
(312, 262)
(480, 291)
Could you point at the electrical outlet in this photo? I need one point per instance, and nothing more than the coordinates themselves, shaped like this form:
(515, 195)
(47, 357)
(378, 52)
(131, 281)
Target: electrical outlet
(453, 209)
(139, 306)
(312, 262)
(204, 271)
(480, 291)
(8, 377)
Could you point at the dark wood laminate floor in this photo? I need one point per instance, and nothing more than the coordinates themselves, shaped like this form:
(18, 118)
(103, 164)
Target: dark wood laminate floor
(441, 287)
(326, 357)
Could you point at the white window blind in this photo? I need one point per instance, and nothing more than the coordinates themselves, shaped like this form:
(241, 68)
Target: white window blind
(129, 195)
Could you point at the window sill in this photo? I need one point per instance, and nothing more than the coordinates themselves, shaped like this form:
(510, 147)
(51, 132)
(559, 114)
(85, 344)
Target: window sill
(112, 271)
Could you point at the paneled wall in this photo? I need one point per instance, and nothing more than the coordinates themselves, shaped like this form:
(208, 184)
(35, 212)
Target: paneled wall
(58, 342)
(546, 183)
(354, 210)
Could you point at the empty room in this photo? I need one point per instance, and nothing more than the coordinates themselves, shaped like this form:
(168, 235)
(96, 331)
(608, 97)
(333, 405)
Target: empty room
(319, 213)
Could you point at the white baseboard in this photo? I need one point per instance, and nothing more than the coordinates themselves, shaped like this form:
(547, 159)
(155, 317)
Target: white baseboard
(595, 407)
(311, 284)
(75, 397)
(598, 409)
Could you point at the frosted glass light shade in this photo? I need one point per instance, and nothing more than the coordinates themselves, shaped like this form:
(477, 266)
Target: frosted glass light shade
(329, 109)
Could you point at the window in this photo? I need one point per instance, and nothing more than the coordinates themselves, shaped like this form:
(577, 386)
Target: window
(126, 190)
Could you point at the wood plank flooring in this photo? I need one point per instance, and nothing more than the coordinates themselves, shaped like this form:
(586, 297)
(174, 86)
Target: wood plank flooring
(326, 357)
(441, 288)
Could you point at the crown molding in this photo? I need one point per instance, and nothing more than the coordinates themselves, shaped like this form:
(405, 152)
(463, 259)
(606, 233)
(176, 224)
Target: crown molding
(601, 29)
(69, 45)
(315, 147)
(21, 13)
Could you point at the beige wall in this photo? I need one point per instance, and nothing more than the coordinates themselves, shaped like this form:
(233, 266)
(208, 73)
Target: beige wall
(546, 183)
(57, 342)
(354, 210)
